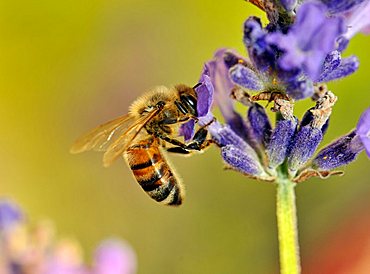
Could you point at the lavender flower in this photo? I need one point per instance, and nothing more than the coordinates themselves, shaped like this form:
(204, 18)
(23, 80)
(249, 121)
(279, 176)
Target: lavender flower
(290, 59)
(307, 49)
(285, 64)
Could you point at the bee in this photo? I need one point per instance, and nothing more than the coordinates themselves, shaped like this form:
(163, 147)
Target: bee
(143, 135)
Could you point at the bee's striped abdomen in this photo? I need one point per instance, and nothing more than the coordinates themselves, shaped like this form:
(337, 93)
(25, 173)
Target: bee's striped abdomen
(153, 173)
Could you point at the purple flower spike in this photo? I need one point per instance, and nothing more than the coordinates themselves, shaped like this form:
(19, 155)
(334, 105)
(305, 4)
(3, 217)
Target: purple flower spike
(10, 214)
(245, 77)
(115, 257)
(187, 130)
(339, 153)
(241, 161)
(304, 146)
(280, 140)
(307, 49)
(260, 124)
(363, 130)
(339, 6)
(300, 89)
(347, 67)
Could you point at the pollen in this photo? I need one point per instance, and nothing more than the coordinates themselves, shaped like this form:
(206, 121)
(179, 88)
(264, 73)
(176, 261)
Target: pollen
(325, 157)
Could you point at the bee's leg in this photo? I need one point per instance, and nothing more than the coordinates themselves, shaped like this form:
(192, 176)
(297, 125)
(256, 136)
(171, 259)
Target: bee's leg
(200, 141)
(178, 150)
(175, 142)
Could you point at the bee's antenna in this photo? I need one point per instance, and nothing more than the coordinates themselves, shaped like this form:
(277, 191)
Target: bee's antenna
(197, 85)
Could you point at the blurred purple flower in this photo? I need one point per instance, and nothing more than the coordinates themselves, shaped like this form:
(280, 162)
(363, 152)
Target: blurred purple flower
(363, 130)
(309, 40)
(65, 258)
(114, 257)
(35, 251)
(10, 214)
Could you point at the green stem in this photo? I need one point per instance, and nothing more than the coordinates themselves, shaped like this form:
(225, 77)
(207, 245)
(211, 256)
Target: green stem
(287, 227)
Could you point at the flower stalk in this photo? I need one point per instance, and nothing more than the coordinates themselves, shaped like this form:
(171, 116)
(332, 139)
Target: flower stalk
(287, 227)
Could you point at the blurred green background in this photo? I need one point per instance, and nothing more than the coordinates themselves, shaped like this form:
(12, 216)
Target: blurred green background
(67, 66)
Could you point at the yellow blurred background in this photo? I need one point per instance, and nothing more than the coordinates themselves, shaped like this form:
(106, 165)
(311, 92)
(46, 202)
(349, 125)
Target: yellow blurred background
(67, 66)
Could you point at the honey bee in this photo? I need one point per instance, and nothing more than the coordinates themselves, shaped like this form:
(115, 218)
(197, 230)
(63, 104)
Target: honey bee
(143, 135)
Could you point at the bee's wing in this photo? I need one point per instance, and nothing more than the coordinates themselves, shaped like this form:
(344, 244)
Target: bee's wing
(102, 136)
(120, 145)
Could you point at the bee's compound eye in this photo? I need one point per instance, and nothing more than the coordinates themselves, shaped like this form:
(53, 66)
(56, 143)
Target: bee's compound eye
(190, 102)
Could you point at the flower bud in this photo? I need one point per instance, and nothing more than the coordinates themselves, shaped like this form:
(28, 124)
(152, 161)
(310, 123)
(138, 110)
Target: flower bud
(280, 141)
(304, 146)
(259, 124)
(340, 152)
(241, 161)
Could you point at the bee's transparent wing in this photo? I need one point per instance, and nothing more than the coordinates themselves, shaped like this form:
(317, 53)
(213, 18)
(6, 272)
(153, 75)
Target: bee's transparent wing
(120, 145)
(103, 135)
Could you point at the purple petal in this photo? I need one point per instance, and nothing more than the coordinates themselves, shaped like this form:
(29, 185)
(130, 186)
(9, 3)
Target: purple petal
(245, 77)
(241, 161)
(219, 74)
(347, 67)
(115, 257)
(205, 94)
(363, 130)
(187, 130)
(358, 20)
(204, 103)
(260, 52)
(332, 61)
(311, 17)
